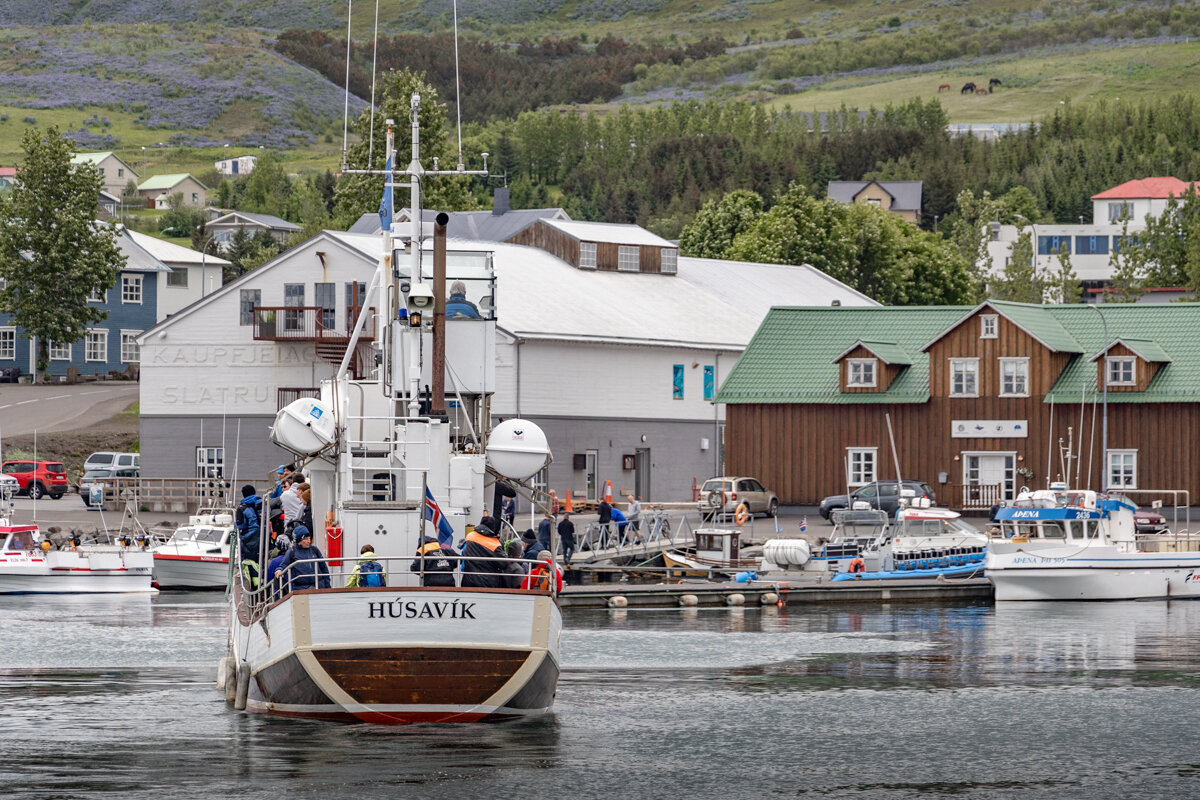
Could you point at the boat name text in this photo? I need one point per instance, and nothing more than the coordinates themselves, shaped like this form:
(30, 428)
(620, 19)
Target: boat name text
(1037, 560)
(398, 609)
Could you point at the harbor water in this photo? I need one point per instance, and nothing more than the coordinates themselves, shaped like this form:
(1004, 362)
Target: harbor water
(115, 697)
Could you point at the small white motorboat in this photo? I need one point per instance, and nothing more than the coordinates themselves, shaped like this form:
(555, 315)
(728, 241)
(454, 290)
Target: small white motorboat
(197, 554)
(32, 565)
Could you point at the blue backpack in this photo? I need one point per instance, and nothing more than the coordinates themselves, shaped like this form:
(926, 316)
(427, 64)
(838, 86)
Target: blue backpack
(370, 573)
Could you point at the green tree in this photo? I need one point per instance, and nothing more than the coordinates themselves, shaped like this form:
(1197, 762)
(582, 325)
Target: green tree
(180, 220)
(1128, 264)
(718, 223)
(267, 188)
(1020, 281)
(1063, 284)
(53, 254)
(359, 194)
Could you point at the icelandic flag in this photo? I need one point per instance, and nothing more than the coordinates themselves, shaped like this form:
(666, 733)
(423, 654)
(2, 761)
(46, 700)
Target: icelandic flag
(803, 524)
(385, 204)
(433, 513)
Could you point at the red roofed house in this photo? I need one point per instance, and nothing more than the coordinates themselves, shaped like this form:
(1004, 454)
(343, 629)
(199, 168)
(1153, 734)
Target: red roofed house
(8, 177)
(1143, 197)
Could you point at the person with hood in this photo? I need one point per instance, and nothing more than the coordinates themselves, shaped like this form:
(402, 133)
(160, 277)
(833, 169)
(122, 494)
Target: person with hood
(367, 571)
(435, 562)
(538, 578)
(304, 574)
(248, 520)
(619, 518)
(530, 540)
(481, 545)
(514, 571)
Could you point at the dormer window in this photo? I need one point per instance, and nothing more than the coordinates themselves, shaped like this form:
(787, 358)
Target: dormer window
(587, 255)
(627, 258)
(988, 326)
(1121, 371)
(670, 261)
(860, 372)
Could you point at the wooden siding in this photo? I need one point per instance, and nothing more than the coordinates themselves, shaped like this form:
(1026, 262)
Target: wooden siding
(798, 450)
(1143, 371)
(884, 373)
(552, 241)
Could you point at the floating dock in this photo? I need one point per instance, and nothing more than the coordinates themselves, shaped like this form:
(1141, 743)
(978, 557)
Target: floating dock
(785, 592)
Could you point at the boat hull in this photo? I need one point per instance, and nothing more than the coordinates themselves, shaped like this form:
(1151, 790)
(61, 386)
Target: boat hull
(190, 572)
(76, 572)
(1102, 574)
(403, 656)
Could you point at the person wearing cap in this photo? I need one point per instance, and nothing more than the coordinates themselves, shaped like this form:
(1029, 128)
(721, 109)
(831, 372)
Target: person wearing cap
(249, 528)
(566, 534)
(530, 540)
(303, 566)
(539, 576)
(435, 562)
(457, 304)
(481, 546)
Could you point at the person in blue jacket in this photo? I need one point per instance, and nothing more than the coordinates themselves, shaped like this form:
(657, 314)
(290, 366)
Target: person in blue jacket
(249, 525)
(457, 304)
(619, 520)
(308, 575)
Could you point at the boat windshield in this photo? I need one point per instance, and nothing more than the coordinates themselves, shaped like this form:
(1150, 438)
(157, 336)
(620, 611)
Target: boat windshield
(209, 535)
(21, 540)
(945, 526)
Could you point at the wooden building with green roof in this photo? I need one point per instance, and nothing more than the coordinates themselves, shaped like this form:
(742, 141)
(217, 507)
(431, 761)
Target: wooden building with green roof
(979, 399)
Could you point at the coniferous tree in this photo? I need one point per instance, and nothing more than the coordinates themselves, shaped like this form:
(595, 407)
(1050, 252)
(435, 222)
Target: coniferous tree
(1127, 262)
(1063, 284)
(1020, 281)
(53, 254)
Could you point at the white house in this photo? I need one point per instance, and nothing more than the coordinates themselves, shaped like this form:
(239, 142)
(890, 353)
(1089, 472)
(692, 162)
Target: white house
(192, 275)
(238, 165)
(1090, 244)
(618, 367)
(113, 171)
(224, 227)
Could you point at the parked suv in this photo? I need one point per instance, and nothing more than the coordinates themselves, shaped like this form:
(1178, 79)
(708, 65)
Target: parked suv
(758, 499)
(97, 477)
(106, 460)
(883, 495)
(39, 478)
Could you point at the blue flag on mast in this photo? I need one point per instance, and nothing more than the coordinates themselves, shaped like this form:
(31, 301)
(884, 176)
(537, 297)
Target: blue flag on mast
(433, 513)
(385, 204)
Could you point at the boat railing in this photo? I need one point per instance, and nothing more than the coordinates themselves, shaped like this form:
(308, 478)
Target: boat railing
(1178, 541)
(651, 532)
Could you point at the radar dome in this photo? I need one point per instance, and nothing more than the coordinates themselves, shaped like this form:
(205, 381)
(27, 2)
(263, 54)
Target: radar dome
(517, 449)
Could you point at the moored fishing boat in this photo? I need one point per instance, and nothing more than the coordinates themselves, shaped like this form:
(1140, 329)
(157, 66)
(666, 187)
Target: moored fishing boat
(382, 457)
(196, 556)
(1055, 544)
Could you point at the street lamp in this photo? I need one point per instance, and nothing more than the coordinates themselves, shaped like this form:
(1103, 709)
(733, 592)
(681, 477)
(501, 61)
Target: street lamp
(203, 253)
(1104, 424)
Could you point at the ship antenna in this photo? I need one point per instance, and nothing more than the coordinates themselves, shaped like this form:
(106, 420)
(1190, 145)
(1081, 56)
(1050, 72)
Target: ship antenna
(346, 109)
(457, 86)
(374, 58)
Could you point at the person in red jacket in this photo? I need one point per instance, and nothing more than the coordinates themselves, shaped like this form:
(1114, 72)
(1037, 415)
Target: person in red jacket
(539, 575)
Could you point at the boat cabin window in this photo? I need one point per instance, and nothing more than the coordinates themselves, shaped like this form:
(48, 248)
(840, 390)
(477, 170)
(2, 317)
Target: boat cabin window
(209, 535)
(1021, 530)
(934, 527)
(1053, 529)
(21, 540)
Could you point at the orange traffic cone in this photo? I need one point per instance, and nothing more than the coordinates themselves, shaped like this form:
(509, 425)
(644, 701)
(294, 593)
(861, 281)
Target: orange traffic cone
(608, 492)
(567, 507)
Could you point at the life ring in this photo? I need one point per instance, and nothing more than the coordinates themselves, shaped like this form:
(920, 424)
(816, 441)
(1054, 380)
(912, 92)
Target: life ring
(740, 514)
(856, 565)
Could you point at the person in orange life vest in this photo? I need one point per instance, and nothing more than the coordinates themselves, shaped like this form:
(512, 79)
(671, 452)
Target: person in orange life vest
(480, 546)
(440, 562)
(539, 576)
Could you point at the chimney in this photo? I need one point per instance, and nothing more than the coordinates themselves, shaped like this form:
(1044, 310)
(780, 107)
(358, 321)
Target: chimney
(500, 201)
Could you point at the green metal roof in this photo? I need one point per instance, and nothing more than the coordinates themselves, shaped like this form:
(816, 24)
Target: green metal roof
(90, 158)
(163, 181)
(888, 352)
(1145, 348)
(791, 357)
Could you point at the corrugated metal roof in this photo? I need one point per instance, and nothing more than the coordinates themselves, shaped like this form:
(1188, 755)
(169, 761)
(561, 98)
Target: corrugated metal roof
(266, 220)
(791, 357)
(90, 158)
(609, 232)
(163, 181)
(478, 225)
(1145, 349)
(888, 352)
(171, 253)
(1033, 319)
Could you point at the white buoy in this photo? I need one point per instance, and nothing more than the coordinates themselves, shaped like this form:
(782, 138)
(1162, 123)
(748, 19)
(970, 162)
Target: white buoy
(243, 686)
(735, 600)
(617, 601)
(230, 679)
(223, 672)
(768, 598)
(688, 600)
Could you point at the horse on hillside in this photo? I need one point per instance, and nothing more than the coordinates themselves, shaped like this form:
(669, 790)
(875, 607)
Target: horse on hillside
(992, 84)
(967, 88)
(945, 87)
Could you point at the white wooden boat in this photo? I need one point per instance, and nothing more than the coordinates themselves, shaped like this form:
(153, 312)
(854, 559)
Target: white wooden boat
(1057, 544)
(197, 554)
(390, 473)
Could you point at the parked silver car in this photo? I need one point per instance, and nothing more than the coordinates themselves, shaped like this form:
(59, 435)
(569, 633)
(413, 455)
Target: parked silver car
(723, 495)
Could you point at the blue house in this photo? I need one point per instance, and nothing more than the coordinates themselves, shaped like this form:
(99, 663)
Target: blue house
(109, 345)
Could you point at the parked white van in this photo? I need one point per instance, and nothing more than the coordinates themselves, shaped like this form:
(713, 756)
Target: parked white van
(105, 460)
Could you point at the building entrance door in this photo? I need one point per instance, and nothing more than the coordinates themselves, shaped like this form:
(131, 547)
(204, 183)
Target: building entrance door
(591, 477)
(988, 478)
(641, 474)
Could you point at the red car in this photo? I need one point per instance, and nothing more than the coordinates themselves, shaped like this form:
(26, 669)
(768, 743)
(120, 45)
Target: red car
(39, 478)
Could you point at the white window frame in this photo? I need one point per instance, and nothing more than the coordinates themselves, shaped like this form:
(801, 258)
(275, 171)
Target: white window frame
(8, 343)
(669, 263)
(131, 352)
(1122, 469)
(1115, 209)
(856, 369)
(177, 278)
(97, 341)
(1021, 371)
(629, 258)
(131, 289)
(587, 255)
(989, 326)
(97, 295)
(965, 366)
(210, 462)
(862, 464)
(1119, 364)
(58, 352)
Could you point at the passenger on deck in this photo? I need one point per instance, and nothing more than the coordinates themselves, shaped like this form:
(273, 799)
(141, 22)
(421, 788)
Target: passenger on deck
(514, 571)
(539, 576)
(530, 540)
(368, 572)
(545, 529)
(482, 544)
(249, 530)
(457, 304)
(308, 575)
(440, 562)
